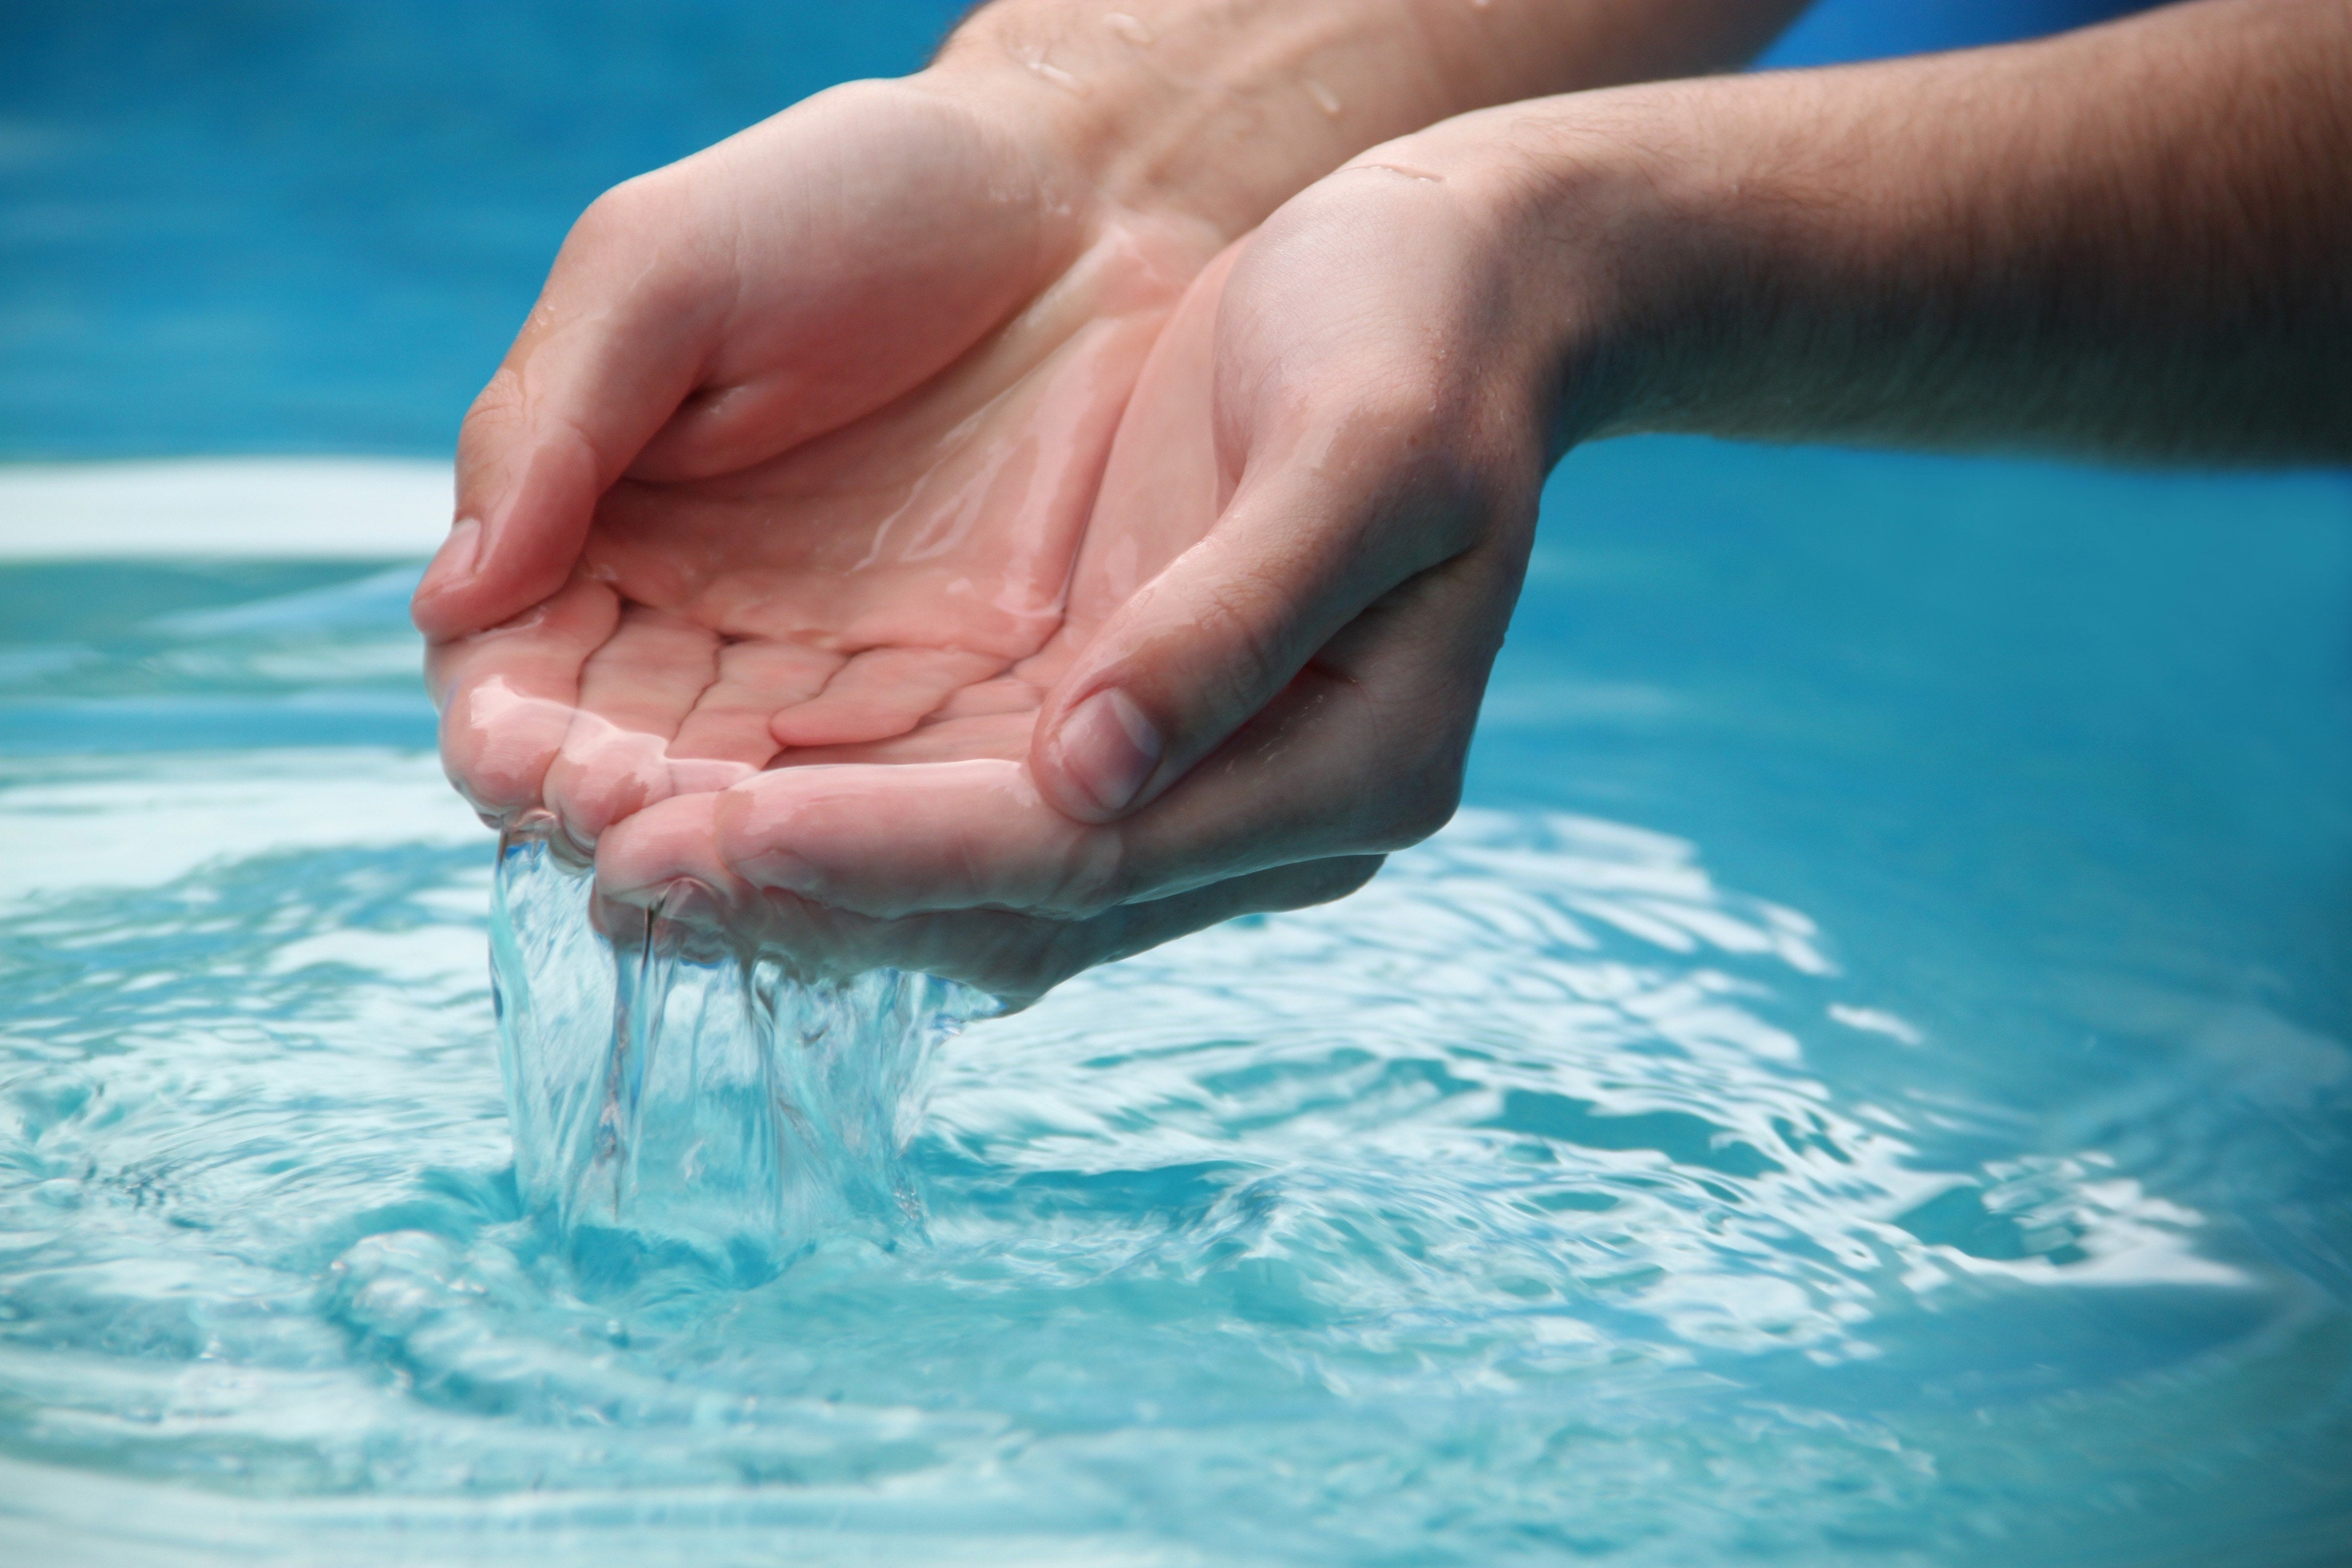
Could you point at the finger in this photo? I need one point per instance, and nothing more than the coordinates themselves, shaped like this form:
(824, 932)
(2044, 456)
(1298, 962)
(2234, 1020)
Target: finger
(1003, 737)
(1205, 614)
(756, 679)
(1130, 928)
(1018, 958)
(879, 693)
(896, 228)
(1362, 753)
(669, 851)
(1218, 634)
(634, 691)
(1358, 451)
(1005, 694)
(618, 338)
(508, 696)
(1359, 754)
(1161, 487)
(892, 227)
(668, 857)
(904, 838)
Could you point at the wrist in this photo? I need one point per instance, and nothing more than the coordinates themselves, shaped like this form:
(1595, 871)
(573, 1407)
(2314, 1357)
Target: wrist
(1224, 109)
(1179, 108)
(1587, 213)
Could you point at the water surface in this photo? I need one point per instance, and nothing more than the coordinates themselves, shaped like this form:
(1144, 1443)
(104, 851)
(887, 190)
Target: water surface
(1864, 1082)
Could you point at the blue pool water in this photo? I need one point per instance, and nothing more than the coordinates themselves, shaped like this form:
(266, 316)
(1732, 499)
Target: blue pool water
(1864, 1082)
(1867, 1079)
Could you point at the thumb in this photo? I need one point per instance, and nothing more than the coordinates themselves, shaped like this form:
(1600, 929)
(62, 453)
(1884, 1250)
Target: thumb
(1206, 644)
(617, 342)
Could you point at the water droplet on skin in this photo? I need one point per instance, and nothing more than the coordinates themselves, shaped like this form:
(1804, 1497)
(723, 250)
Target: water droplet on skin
(1325, 99)
(1129, 29)
(1056, 75)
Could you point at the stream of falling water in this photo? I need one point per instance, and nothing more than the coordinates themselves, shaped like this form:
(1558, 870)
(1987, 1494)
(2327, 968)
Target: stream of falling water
(677, 1100)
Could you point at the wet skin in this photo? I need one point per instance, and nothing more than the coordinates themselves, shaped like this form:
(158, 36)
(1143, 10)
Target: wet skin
(1257, 646)
(851, 486)
(783, 512)
(753, 678)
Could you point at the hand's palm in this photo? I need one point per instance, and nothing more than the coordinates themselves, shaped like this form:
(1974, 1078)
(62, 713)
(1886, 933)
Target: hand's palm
(753, 595)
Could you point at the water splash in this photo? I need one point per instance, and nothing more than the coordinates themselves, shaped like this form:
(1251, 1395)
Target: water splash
(675, 1100)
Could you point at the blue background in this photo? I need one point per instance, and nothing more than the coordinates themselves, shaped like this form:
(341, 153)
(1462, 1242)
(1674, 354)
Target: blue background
(312, 225)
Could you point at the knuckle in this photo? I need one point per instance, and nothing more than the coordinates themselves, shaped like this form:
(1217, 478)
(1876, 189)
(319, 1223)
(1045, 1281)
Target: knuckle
(1348, 876)
(1424, 799)
(1096, 876)
(1328, 881)
(492, 423)
(496, 413)
(500, 398)
(620, 211)
(1439, 467)
(1243, 617)
(643, 242)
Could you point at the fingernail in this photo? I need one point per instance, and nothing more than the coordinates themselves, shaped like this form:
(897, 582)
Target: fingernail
(1109, 749)
(454, 561)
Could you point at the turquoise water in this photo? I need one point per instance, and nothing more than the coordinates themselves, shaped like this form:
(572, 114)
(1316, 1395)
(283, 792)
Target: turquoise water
(679, 1103)
(1864, 1082)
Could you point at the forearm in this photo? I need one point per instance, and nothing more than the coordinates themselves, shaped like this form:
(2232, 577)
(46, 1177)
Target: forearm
(1229, 107)
(2133, 241)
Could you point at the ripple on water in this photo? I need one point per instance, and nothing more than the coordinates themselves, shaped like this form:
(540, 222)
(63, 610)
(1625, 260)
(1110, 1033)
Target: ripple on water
(1545, 1198)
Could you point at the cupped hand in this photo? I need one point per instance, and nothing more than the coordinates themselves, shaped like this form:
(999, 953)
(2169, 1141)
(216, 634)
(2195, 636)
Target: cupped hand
(1015, 956)
(1308, 541)
(794, 455)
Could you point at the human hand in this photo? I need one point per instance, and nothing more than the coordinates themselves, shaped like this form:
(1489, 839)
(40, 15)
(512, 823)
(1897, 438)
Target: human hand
(911, 817)
(1991, 249)
(713, 912)
(1308, 536)
(837, 489)
(1400, 352)
(863, 517)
